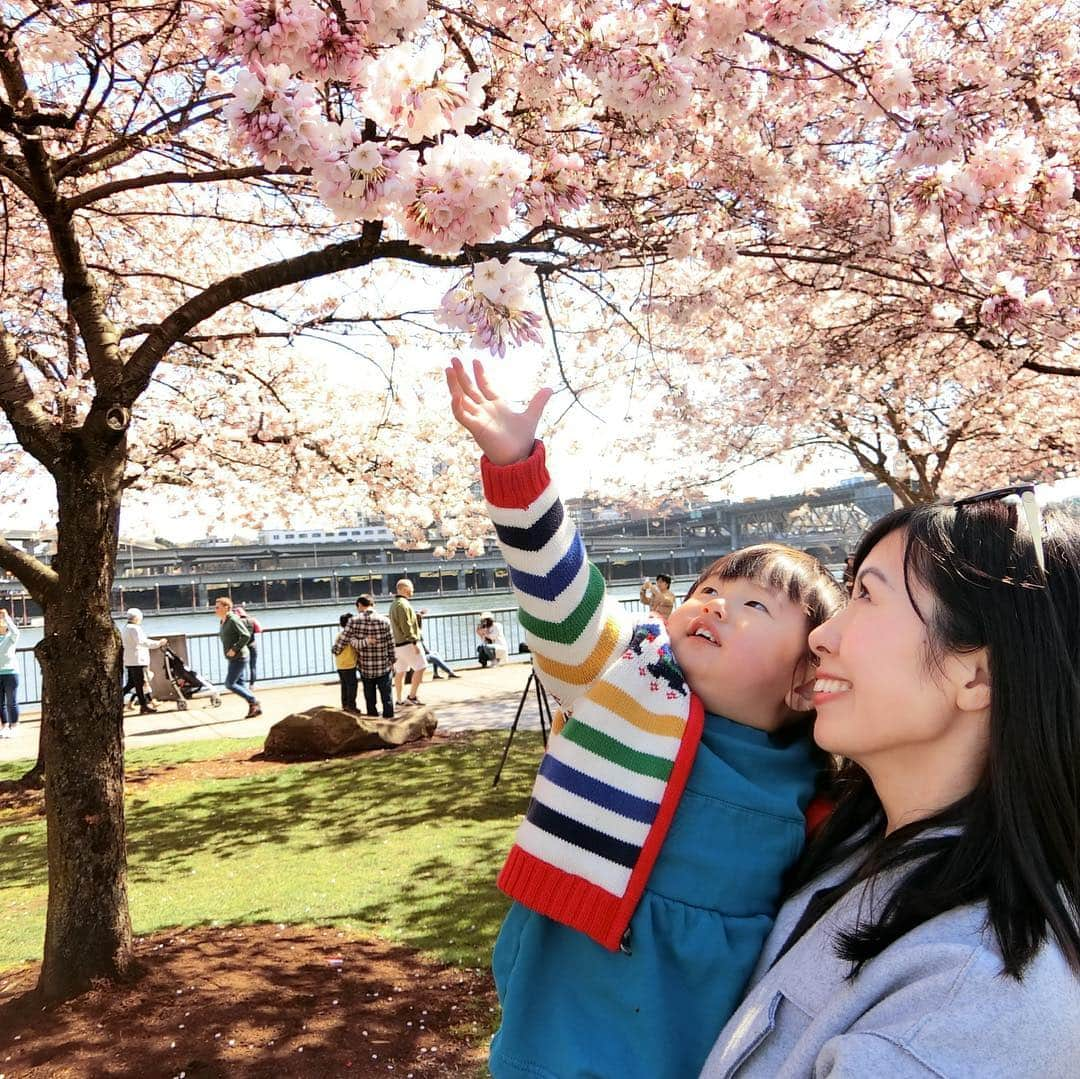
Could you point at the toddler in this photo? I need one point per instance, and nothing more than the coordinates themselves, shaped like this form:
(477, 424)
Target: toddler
(647, 871)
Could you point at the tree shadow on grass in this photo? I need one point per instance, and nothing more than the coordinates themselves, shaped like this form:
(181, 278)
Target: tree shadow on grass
(339, 813)
(332, 806)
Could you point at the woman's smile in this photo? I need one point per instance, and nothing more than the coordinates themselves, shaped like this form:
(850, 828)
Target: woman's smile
(828, 687)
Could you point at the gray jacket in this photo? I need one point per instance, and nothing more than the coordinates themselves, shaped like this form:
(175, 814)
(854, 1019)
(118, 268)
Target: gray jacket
(935, 1003)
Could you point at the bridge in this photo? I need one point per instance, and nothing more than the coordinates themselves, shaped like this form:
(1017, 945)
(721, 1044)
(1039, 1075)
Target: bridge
(826, 523)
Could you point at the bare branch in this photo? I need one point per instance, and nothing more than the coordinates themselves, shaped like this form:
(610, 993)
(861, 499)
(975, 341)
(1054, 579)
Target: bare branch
(37, 578)
(31, 424)
(104, 191)
(347, 255)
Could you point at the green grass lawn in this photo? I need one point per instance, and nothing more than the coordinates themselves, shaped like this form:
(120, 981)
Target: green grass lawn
(405, 846)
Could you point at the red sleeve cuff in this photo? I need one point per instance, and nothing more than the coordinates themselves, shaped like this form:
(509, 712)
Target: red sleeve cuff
(516, 486)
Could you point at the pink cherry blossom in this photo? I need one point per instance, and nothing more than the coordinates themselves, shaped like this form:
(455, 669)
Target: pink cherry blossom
(489, 304)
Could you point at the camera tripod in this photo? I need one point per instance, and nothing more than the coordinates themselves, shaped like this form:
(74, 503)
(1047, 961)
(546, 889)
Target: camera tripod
(542, 706)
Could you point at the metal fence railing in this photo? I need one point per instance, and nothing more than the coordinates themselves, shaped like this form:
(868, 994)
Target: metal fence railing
(298, 652)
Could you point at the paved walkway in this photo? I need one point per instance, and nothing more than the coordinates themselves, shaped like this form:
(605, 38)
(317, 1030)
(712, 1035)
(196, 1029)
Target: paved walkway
(478, 700)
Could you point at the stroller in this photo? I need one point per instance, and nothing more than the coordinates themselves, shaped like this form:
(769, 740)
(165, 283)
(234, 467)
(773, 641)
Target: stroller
(185, 681)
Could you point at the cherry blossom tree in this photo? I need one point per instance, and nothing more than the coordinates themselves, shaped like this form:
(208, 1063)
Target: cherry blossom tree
(173, 171)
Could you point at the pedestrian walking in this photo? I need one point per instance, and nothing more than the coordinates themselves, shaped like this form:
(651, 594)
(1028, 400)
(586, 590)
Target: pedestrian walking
(253, 647)
(235, 638)
(137, 647)
(9, 676)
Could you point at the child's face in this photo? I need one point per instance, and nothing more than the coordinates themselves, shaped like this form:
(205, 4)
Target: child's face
(742, 647)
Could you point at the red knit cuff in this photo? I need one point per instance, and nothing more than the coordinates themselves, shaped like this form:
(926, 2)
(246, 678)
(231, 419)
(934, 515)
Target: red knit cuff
(565, 898)
(516, 486)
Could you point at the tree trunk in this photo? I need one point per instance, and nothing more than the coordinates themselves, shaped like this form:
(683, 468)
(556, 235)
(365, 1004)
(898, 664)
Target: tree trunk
(88, 928)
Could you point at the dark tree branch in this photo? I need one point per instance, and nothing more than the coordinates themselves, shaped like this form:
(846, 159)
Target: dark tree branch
(348, 255)
(104, 191)
(32, 426)
(38, 579)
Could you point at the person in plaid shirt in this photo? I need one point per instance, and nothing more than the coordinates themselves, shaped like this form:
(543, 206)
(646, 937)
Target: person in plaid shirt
(371, 638)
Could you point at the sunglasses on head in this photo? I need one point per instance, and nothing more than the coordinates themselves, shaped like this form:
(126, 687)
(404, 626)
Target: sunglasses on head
(1021, 495)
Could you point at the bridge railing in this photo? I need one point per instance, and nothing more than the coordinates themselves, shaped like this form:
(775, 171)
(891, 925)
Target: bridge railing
(302, 653)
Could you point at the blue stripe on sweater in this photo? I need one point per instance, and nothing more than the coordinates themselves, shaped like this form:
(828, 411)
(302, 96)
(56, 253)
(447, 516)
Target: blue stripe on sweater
(552, 584)
(600, 793)
(536, 535)
(581, 835)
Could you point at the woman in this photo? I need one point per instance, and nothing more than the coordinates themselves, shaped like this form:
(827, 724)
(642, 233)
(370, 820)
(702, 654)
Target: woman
(931, 928)
(492, 647)
(137, 646)
(254, 629)
(9, 676)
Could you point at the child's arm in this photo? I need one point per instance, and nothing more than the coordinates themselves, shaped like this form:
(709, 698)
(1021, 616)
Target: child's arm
(573, 629)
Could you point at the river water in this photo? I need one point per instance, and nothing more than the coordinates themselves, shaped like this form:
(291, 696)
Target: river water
(326, 614)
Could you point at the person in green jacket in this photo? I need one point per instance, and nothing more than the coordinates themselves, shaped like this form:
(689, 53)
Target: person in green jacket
(235, 638)
(408, 655)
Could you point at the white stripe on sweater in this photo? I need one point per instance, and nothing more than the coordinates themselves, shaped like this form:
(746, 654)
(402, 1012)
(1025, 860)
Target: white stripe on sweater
(555, 610)
(615, 775)
(546, 558)
(624, 732)
(527, 517)
(577, 652)
(595, 816)
(548, 848)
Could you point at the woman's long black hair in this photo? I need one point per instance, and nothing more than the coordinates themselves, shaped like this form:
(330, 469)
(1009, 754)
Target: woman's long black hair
(1013, 843)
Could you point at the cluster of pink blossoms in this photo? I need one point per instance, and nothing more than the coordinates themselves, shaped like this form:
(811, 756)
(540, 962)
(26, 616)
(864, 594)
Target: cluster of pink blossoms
(466, 193)
(365, 181)
(649, 83)
(489, 304)
(553, 189)
(308, 40)
(279, 119)
(1004, 174)
(409, 92)
(1010, 303)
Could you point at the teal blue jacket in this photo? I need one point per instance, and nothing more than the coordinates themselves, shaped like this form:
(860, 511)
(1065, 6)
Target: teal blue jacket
(572, 1009)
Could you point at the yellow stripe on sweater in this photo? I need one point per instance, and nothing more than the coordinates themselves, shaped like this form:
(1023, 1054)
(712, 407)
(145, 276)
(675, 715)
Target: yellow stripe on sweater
(622, 704)
(597, 661)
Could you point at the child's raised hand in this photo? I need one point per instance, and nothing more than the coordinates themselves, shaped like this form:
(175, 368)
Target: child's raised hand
(504, 436)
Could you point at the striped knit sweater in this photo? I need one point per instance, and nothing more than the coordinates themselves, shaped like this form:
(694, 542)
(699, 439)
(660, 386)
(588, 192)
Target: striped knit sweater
(612, 777)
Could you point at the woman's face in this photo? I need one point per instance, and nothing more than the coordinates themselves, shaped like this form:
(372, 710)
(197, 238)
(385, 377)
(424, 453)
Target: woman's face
(881, 699)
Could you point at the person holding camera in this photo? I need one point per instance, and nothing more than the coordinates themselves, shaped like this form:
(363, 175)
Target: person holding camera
(492, 647)
(658, 597)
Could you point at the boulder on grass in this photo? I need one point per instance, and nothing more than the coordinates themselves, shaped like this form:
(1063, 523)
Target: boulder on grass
(330, 732)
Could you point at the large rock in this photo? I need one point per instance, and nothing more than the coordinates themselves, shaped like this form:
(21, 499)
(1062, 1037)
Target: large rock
(329, 732)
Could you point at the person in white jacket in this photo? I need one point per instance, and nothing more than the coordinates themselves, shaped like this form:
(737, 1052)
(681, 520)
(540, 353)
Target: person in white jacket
(492, 648)
(9, 676)
(137, 648)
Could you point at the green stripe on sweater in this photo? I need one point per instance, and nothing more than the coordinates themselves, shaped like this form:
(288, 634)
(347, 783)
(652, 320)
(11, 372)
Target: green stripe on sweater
(573, 625)
(605, 746)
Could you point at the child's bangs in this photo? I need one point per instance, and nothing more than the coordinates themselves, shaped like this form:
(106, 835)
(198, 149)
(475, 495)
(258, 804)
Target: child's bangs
(787, 570)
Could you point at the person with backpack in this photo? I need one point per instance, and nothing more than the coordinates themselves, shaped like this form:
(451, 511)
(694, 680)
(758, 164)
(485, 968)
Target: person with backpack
(235, 641)
(253, 650)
